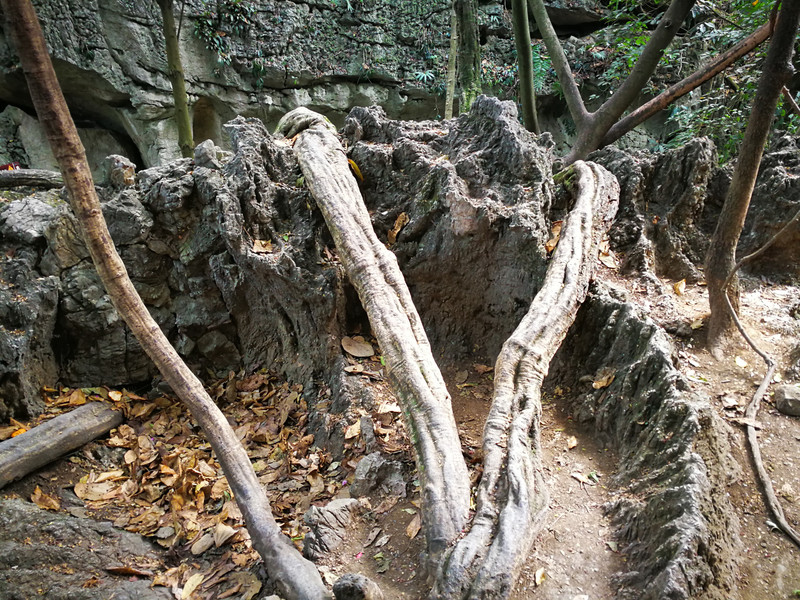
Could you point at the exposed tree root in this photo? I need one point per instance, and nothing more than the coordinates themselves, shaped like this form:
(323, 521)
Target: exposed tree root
(62, 434)
(751, 413)
(412, 370)
(512, 498)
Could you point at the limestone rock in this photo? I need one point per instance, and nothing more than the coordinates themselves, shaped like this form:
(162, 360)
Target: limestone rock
(376, 474)
(355, 586)
(787, 399)
(328, 526)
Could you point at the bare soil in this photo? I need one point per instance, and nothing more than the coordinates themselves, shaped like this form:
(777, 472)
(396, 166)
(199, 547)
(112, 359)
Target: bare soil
(576, 555)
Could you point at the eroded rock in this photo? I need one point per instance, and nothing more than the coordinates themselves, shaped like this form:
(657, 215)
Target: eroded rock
(787, 399)
(328, 526)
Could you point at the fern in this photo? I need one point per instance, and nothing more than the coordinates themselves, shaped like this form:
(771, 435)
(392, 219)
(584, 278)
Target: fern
(541, 68)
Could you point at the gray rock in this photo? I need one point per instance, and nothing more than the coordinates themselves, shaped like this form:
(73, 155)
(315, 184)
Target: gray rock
(787, 399)
(375, 474)
(328, 526)
(206, 155)
(128, 220)
(354, 586)
(34, 540)
(26, 220)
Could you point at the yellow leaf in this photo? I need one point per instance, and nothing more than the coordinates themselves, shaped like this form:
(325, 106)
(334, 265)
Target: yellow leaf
(603, 378)
(680, 287)
(115, 395)
(191, 585)
(399, 223)
(262, 246)
(539, 577)
(697, 323)
(356, 170)
(45, 501)
(572, 441)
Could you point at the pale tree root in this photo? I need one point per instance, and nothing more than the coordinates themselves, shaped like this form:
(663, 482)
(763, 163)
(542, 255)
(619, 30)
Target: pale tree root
(751, 413)
(43, 444)
(512, 499)
(412, 370)
(295, 577)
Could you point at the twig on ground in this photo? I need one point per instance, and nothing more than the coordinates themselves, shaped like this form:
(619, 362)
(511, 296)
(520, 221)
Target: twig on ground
(752, 409)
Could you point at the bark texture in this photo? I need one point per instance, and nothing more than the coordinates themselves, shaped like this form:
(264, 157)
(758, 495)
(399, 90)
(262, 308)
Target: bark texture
(376, 276)
(31, 177)
(512, 499)
(296, 577)
(722, 255)
(522, 41)
(43, 444)
(469, 52)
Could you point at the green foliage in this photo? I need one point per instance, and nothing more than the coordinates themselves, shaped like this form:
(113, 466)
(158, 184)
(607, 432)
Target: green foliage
(543, 73)
(221, 19)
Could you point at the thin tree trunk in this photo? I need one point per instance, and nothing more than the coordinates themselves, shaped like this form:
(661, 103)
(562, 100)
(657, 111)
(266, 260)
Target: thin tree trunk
(412, 370)
(722, 252)
(522, 41)
(469, 52)
(176, 78)
(296, 577)
(512, 498)
(451, 66)
(711, 69)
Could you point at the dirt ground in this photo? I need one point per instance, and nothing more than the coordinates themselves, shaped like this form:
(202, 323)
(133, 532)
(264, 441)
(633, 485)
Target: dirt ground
(575, 556)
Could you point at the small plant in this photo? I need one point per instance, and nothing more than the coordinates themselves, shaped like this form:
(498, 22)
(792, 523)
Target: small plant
(425, 77)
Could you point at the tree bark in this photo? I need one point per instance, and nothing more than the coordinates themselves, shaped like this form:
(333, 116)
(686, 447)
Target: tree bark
(722, 252)
(522, 41)
(176, 78)
(296, 577)
(469, 52)
(451, 66)
(412, 370)
(54, 438)
(512, 499)
(711, 69)
(32, 178)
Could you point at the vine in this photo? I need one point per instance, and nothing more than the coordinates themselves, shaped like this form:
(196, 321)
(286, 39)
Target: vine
(221, 19)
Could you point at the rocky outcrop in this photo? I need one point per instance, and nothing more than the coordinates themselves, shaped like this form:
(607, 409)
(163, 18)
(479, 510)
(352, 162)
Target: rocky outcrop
(672, 512)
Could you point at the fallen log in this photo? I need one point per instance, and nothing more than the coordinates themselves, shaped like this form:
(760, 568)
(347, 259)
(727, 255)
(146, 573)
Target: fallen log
(31, 178)
(43, 444)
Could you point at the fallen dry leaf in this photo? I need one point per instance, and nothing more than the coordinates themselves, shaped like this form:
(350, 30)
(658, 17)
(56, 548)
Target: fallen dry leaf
(401, 221)
(555, 232)
(679, 287)
(129, 571)
(191, 585)
(412, 529)
(604, 378)
(353, 430)
(262, 246)
(572, 441)
(539, 576)
(45, 501)
(357, 346)
(222, 533)
(740, 362)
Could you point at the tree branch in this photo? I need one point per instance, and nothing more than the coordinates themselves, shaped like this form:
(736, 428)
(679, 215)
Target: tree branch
(712, 68)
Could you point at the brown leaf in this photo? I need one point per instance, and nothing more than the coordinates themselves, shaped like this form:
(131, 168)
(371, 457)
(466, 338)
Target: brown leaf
(482, 369)
(46, 501)
(191, 585)
(572, 441)
(353, 430)
(679, 287)
(555, 231)
(357, 346)
(222, 533)
(604, 378)
(401, 221)
(262, 246)
(412, 529)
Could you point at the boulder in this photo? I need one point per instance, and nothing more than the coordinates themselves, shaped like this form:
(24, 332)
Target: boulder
(787, 399)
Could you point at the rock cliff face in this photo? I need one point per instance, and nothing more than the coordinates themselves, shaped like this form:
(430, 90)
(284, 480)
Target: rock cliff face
(328, 55)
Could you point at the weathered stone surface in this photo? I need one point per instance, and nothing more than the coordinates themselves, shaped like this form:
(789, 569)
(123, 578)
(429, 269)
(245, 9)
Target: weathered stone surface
(35, 540)
(328, 526)
(787, 399)
(355, 586)
(378, 475)
(476, 192)
(672, 513)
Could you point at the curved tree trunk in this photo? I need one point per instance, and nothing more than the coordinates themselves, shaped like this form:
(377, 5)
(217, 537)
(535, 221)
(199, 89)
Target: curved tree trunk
(722, 251)
(296, 577)
(412, 370)
(512, 499)
(176, 78)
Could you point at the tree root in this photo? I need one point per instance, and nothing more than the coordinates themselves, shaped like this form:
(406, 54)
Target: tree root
(751, 413)
(31, 178)
(412, 370)
(512, 498)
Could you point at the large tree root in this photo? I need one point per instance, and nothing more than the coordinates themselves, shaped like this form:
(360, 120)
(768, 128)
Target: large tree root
(62, 434)
(31, 178)
(376, 276)
(512, 498)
